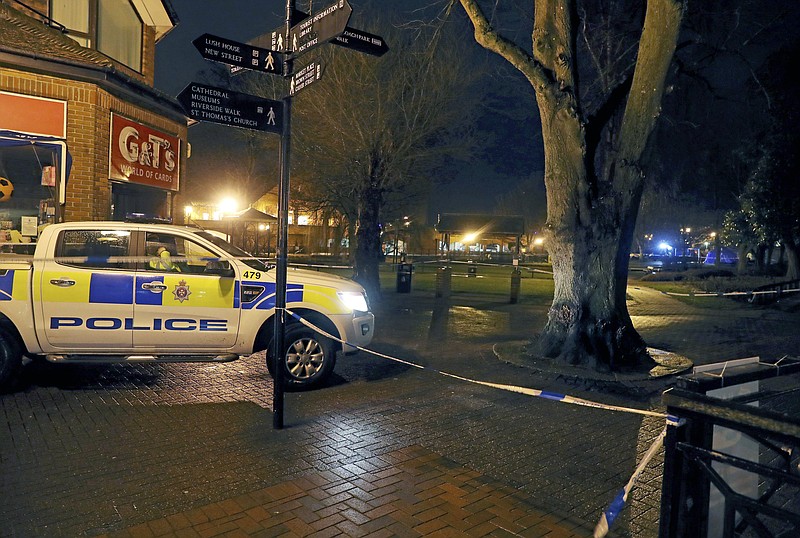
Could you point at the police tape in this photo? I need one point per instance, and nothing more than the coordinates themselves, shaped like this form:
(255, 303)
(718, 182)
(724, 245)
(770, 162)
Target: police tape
(563, 398)
(731, 293)
(609, 516)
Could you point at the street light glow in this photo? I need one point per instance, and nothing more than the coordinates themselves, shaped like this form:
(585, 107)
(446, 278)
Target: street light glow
(228, 206)
(469, 238)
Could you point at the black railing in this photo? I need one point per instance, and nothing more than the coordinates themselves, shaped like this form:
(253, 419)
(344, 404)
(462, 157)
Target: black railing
(43, 16)
(712, 486)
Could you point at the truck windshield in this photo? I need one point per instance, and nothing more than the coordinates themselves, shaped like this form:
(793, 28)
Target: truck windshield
(245, 257)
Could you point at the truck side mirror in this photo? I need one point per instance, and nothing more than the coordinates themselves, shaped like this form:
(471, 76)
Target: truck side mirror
(219, 267)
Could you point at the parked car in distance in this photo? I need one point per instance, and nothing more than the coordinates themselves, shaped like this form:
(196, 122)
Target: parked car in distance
(673, 263)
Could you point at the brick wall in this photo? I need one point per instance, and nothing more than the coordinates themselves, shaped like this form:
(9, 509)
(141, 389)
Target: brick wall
(88, 130)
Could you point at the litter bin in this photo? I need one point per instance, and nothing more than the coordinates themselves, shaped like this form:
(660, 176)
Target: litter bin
(404, 271)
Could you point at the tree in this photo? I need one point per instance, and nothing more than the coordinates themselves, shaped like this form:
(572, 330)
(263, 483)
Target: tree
(593, 172)
(374, 132)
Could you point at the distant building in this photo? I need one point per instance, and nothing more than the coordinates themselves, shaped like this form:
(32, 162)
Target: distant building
(480, 233)
(83, 132)
(310, 230)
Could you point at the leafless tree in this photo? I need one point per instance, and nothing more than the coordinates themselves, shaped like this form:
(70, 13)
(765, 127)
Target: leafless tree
(593, 170)
(372, 134)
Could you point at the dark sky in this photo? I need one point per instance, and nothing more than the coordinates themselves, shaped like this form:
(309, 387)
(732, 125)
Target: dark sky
(178, 63)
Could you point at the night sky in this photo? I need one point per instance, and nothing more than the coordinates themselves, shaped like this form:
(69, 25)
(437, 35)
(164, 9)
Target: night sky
(178, 63)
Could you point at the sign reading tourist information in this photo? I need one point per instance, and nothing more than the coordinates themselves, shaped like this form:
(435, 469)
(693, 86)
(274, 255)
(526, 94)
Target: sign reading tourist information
(218, 105)
(320, 27)
(361, 41)
(237, 54)
(305, 77)
(351, 38)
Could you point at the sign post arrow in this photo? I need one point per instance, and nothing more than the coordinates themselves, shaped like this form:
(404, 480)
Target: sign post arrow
(238, 54)
(218, 105)
(320, 27)
(361, 41)
(305, 77)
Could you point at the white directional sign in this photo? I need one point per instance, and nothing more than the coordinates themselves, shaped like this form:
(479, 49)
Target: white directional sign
(305, 77)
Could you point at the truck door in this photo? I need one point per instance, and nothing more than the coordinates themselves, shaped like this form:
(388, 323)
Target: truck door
(86, 291)
(178, 305)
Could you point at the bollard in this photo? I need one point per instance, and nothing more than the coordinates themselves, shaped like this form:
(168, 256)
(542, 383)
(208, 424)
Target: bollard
(516, 278)
(472, 270)
(442, 288)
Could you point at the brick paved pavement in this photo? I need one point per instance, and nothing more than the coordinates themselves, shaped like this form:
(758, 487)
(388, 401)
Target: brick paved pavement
(383, 450)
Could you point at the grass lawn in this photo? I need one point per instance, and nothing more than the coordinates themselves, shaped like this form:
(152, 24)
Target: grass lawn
(536, 284)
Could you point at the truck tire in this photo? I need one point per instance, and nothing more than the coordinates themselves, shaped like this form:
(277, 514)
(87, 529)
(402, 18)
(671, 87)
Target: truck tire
(309, 359)
(10, 361)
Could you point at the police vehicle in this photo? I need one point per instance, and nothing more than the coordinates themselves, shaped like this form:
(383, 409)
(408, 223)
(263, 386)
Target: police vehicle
(102, 292)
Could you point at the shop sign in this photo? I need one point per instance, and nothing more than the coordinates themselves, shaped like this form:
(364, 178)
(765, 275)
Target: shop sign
(142, 155)
(33, 115)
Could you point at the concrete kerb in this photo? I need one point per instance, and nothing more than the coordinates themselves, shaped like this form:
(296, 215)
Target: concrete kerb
(642, 386)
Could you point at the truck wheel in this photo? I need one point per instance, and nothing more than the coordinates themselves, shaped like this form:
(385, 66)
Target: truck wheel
(10, 361)
(310, 358)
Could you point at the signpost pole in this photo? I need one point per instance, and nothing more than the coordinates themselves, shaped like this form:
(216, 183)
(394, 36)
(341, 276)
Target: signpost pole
(278, 337)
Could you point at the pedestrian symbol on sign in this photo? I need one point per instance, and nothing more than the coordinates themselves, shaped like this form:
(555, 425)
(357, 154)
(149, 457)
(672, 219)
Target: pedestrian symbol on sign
(271, 116)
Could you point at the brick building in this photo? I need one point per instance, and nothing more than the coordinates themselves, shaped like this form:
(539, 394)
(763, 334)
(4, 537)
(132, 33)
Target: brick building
(83, 132)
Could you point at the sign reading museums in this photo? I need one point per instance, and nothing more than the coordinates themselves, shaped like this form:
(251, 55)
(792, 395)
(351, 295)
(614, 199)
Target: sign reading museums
(226, 107)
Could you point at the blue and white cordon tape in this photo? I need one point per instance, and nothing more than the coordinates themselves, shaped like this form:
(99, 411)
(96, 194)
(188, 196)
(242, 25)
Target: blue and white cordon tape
(608, 517)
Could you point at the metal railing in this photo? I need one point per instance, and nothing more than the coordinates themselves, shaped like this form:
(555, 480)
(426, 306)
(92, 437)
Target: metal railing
(731, 467)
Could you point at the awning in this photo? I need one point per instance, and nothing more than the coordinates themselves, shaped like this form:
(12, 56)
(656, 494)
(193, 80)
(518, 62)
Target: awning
(13, 138)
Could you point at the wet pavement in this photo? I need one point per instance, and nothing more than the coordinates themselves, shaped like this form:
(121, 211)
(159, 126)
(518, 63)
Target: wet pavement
(384, 449)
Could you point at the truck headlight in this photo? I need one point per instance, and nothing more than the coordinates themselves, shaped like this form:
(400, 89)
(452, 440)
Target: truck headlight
(354, 300)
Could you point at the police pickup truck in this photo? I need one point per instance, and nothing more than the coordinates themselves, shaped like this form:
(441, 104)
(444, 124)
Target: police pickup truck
(100, 292)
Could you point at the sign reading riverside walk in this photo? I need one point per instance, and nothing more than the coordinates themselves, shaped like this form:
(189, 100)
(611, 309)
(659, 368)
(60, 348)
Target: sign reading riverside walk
(320, 27)
(219, 49)
(218, 105)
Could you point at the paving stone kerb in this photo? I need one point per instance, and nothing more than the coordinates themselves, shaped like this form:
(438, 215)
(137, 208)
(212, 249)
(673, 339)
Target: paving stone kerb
(143, 449)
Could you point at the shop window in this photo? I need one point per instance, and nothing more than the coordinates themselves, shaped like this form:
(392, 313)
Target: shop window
(110, 26)
(28, 193)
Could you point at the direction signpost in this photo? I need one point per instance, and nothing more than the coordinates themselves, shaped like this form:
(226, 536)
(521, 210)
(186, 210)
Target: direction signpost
(242, 55)
(301, 33)
(226, 107)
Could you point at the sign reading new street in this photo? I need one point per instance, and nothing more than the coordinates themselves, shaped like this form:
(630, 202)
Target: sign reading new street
(320, 27)
(226, 107)
(219, 49)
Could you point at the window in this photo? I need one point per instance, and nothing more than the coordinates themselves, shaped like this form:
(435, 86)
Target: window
(176, 254)
(104, 249)
(111, 26)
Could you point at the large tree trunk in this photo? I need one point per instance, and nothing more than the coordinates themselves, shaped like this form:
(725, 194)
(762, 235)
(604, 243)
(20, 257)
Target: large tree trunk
(591, 211)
